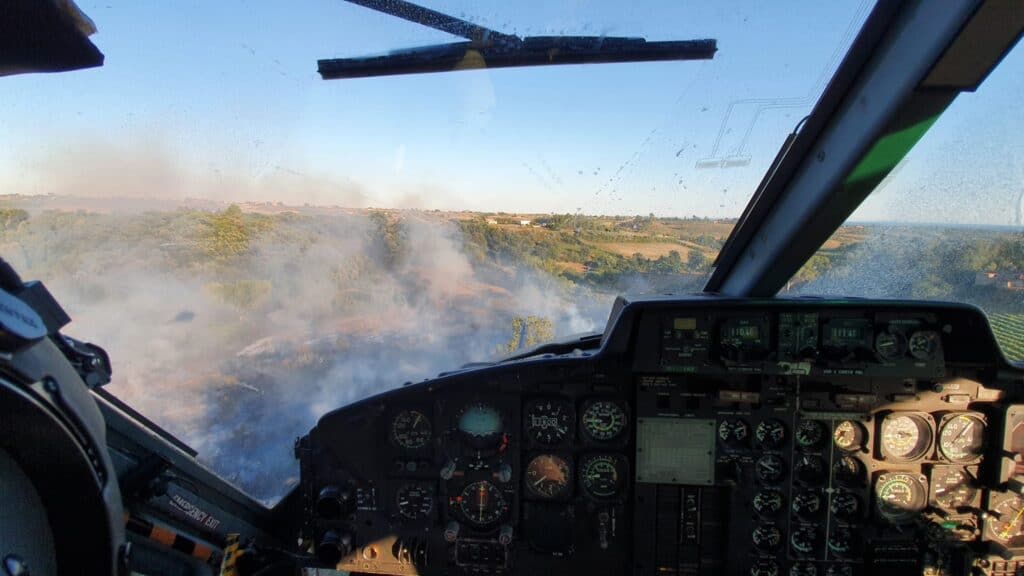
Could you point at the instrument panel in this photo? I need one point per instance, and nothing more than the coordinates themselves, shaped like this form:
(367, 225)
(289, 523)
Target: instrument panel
(703, 436)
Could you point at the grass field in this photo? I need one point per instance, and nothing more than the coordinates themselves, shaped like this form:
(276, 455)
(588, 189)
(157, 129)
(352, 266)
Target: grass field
(1009, 331)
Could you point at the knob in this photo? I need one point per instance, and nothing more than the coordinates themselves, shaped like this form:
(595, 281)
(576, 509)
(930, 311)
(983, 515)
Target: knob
(505, 535)
(603, 521)
(451, 531)
(333, 502)
(333, 547)
(448, 470)
(504, 473)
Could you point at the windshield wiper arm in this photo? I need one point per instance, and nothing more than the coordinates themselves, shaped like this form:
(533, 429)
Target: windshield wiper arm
(486, 48)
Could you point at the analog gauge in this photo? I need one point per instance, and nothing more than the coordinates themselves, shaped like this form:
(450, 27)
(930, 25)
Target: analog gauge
(482, 503)
(479, 420)
(840, 541)
(410, 429)
(548, 421)
(923, 344)
(848, 470)
(844, 505)
(415, 501)
(848, 436)
(804, 540)
(905, 436)
(809, 470)
(733, 431)
(803, 569)
(962, 438)
(952, 487)
(548, 476)
(604, 420)
(768, 502)
(770, 468)
(900, 496)
(767, 537)
(770, 433)
(809, 433)
(603, 475)
(1004, 521)
(838, 569)
(890, 345)
(764, 568)
(806, 503)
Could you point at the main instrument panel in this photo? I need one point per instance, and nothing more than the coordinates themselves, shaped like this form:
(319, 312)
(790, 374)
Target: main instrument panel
(698, 436)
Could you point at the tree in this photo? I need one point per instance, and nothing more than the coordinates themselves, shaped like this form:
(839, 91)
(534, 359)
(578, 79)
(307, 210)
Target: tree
(11, 217)
(696, 260)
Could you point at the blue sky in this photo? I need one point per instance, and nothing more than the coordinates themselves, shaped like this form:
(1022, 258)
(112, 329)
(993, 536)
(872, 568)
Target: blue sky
(221, 99)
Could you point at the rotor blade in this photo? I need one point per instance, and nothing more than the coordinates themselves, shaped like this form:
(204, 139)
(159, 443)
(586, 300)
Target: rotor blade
(533, 51)
(475, 33)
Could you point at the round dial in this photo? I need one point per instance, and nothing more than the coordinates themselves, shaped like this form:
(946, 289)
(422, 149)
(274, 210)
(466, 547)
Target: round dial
(604, 420)
(809, 470)
(803, 569)
(806, 503)
(548, 421)
(890, 345)
(837, 569)
(809, 433)
(767, 537)
(804, 540)
(848, 470)
(764, 568)
(768, 502)
(410, 429)
(905, 436)
(844, 505)
(548, 476)
(415, 501)
(480, 420)
(733, 431)
(952, 487)
(1005, 519)
(482, 503)
(900, 496)
(962, 438)
(848, 436)
(840, 541)
(923, 344)
(770, 468)
(602, 475)
(770, 433)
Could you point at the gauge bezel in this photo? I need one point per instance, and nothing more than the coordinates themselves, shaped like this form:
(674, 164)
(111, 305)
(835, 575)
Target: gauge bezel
(945, 420)
(564, 404)
(566, 492)
(621, 464)
(393, 420)
(940, 470)
(860, 429)
(502, 515)
(621, 438)
(925, 449)
(429, 488)
(917, 482)
(996, 499)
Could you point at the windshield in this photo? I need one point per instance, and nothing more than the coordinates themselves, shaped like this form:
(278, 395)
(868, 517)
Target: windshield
(948, 223)
(255, 246)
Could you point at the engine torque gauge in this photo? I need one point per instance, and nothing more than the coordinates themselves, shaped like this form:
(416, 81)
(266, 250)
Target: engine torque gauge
(770, 433)
(900, 496)
(962, 438)
(905, 436)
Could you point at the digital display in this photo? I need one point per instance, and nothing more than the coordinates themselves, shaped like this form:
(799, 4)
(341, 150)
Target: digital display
(744, 332)
(846, 333)
(684, 324)
(662, 459)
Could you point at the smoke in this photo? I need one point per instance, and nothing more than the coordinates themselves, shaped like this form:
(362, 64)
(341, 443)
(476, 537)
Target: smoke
(239, 356)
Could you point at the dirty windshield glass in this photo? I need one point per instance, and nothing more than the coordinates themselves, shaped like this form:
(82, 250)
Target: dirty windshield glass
(948, 223)
(255, 246)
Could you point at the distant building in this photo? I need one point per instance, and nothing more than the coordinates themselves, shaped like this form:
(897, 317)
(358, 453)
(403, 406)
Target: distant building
(524, 222)
(1005, 280)
(492, 221)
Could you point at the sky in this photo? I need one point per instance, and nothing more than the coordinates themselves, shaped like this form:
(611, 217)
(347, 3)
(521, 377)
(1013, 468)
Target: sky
(221, 100)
